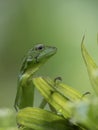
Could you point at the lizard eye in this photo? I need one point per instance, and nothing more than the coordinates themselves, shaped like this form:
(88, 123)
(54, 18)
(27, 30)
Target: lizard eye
(39, 47)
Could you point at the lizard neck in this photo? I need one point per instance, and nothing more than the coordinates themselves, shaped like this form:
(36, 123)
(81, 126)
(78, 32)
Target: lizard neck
(25, 76)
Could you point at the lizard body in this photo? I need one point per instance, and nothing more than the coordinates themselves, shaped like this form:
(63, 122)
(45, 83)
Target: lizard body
(33, 60)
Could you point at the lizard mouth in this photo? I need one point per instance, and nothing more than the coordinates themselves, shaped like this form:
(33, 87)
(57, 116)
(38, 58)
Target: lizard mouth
(51, 52)
(46, 54)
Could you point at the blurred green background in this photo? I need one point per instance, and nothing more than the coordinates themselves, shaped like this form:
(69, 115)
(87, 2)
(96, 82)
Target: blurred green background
(60, 23)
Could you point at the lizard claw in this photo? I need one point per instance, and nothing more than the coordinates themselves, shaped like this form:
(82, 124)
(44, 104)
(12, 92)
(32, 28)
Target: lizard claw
(57, 79)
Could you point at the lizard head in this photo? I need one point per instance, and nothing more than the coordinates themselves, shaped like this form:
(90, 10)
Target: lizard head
(43, 53)
(37, 56)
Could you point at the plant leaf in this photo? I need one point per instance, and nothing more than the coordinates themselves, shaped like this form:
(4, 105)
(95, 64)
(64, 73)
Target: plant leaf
(92, 68)
(55, 99)
(58, 96)
(39, 119)
(88, 111)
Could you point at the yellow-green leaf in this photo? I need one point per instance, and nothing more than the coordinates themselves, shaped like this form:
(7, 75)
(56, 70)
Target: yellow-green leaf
(54, 98)
(58, 96)
(92, 68)
(39, 119)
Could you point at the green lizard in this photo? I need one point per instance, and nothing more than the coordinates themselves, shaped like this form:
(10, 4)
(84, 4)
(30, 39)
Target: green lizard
(35, 58)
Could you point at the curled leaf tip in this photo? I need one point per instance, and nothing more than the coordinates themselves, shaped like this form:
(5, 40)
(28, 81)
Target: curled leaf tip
(82, 42)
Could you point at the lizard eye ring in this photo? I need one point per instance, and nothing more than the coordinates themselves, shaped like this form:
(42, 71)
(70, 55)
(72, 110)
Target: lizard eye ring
(39, 47)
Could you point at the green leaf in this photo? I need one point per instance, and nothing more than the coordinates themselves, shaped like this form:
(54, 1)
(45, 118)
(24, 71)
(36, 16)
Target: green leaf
(68, 92)
(58, 96)
(88, 111)
(92, 68)
(39, 119)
